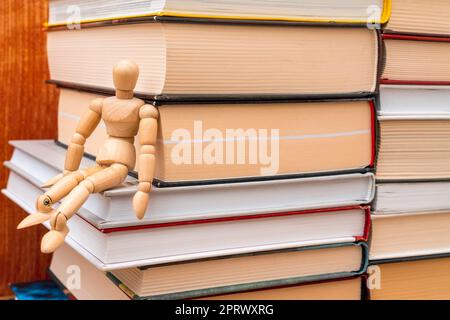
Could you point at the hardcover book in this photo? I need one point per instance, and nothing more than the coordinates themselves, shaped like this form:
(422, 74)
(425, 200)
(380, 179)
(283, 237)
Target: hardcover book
(213, 61)
(418, 278)
(98, 285)
(197, 234)
(249, 140)
(414, 133)
(93, 283)
(112, 245)
(34, 162)
(409, 234)
(243, 273)
(416, 60)
(340, 289)
(419, 17)
(319, 11)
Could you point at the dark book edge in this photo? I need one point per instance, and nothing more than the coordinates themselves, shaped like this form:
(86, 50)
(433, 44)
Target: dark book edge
(261, 253)
(220, 98)
(408, 259)
(396, 35)
(173, 19)
(262, 285)
(109, 230)
(163, 184)
(412, 180)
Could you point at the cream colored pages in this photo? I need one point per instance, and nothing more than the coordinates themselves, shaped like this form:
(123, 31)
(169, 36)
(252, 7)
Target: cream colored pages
(417, 60)
(414, 280)
(200, 59)
(419, 16)
(414, 149)
(232, 59)
(235, 271)
(403, 235)
(307, 137)
(311, 137)
(335, 290)
(94, 284)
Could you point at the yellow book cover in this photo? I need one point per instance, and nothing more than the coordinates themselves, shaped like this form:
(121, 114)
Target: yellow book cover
(319, 11)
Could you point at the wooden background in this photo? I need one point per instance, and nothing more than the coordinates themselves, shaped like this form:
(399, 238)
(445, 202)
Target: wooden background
(28, 110)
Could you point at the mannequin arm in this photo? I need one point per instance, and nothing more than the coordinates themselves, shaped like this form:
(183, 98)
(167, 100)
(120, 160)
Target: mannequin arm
(75, 151)
(148, 131)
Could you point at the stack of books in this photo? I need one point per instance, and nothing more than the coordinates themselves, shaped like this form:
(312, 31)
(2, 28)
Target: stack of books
(410, 245)
(265, 152)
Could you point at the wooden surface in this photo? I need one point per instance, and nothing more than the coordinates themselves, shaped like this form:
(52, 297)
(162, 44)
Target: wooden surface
(28, 110)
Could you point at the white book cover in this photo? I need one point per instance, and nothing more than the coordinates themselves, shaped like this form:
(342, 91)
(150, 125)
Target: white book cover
(120, 244)
(42, 160)
(405, 102)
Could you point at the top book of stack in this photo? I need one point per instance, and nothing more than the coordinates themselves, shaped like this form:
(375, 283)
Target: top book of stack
(184, 58)
(318, 11)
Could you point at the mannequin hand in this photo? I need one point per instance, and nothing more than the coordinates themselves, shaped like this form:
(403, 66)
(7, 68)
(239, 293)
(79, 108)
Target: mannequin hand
(55, 179)
(140, 204)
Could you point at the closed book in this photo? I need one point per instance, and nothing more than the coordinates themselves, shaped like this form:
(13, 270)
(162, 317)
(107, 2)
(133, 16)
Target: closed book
(94, 284)
(81, 278)
(340, 289)
(37, 161)
(213, 61)
(413, 133)
(416, 60)
(245, 273)
(417, 278)
(319, 11)
(419, 17)
(409, 234)
(413, 196)
(249, 140)
(112, 245)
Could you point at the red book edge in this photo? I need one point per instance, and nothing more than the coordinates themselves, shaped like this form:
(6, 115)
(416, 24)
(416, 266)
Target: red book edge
(364, 237)
(415, 82)
(373, 120)
(409, 37)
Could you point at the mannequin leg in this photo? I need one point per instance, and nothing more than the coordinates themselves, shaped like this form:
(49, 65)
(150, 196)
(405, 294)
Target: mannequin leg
(105, 179)
(59, 190)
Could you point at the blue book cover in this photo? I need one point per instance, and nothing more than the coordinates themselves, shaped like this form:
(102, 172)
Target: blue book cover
(40, 290)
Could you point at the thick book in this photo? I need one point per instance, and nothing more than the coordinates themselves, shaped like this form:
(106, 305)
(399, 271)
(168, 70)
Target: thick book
(416, 60)
(413, 102)
(417, 278)
(408, 234)
(404, 197)
(81, 278)
(216, 60)
(414, 141)
(253, 140)
(339, 289)
(244, 273)
(38, 161)
(419, 17)
(94, 284)
(125, 244)
(319, 11)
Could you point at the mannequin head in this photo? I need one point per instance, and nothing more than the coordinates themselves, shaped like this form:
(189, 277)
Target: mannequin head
(125, 76)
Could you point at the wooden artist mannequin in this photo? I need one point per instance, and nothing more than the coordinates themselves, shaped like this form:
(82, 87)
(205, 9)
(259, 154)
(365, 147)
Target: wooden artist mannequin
(124, 117)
